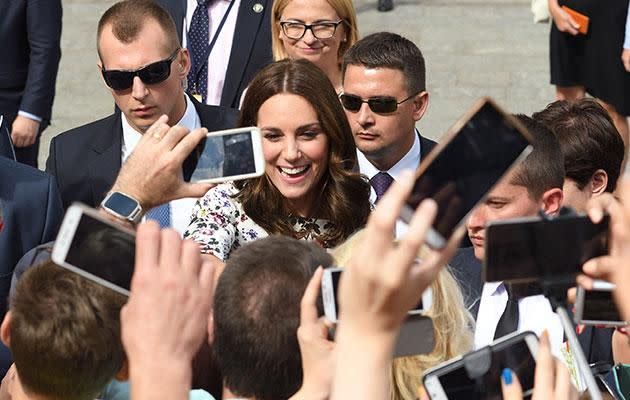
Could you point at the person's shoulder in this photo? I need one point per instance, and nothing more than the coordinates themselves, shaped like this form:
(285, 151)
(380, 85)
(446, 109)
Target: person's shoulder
(87, 131)
(12, 171)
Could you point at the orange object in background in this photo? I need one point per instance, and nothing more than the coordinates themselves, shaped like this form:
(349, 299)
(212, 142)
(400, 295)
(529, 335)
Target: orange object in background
(581, 19)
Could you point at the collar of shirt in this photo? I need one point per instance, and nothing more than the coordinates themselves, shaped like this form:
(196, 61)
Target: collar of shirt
(410, 161)
(493, 288)
(131, 137)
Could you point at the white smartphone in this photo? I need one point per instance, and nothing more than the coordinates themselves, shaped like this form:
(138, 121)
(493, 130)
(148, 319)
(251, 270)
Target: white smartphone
(93, 247)
(330, 284)
(476, 152)
(229, 155)
(477, 375)
(597, 306)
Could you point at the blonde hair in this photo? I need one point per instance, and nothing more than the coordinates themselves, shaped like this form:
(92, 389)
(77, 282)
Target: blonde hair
(343, 8)
(452, 327)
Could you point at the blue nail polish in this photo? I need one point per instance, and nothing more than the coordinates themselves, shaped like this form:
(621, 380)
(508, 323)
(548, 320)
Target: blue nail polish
(506, 375)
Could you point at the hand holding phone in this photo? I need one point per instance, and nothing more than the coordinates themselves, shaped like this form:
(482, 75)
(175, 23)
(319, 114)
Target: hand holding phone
(477, 375)
(477, 151)
(597, 306)
(153, 172)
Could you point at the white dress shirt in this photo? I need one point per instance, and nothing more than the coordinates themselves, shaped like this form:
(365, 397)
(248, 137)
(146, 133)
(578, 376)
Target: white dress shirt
(181, 209)
(410, 161)
(220, 55)
(535, 314)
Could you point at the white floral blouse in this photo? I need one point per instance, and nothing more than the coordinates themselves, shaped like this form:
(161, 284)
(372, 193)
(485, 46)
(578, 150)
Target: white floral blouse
(219, 223)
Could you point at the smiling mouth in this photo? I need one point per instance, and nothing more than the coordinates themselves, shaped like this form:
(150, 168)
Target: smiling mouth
(295, 171)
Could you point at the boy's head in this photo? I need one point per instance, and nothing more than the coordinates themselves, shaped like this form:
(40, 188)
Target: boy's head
(591, 145)
(535, 185)
(64, 334)
(257, 314)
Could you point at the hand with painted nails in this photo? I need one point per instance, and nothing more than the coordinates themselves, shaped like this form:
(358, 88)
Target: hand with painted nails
(153, 172)
(380, 284)
(552, 380)
(613, 267)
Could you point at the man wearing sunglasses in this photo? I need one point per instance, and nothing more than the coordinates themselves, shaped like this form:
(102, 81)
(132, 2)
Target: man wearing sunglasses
(384, 95)
(144, 67)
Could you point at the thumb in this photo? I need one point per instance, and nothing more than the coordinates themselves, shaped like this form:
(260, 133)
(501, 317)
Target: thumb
(510, 385)
(194, 189)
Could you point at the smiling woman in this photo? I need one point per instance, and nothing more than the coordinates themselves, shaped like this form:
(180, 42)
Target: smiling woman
(316, 30)
(311, 188)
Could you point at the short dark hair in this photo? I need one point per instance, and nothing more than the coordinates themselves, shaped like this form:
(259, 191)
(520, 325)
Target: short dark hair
(389, 50)
(588, 139)
(128, 17)
(543, 168)
(65, 333)
(257, 313)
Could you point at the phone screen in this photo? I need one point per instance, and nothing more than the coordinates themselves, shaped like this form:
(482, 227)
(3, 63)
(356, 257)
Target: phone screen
(225, 155)
(458, 385)
(543, 249)
(103, 251)
(336, 276)
(599, 305)
(468, 167)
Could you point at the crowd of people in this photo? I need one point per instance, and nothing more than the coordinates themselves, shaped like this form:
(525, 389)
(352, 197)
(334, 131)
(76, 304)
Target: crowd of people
(225, 300)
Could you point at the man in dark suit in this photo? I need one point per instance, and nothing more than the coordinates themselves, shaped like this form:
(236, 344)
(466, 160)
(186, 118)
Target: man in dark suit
(30, 214)
(30, 31)
(240, 51)
(137, 36)
(384, 95)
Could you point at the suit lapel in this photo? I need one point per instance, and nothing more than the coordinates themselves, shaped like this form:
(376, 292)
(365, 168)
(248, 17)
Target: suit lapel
(247, 25)
(107, 154)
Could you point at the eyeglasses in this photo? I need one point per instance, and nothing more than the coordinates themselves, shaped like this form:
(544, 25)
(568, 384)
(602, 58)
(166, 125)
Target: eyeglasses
(150, 74)
(321, 30)
(380, 105)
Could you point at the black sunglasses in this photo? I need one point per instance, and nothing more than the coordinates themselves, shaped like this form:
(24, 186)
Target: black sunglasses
(150, 74)
(380, 105)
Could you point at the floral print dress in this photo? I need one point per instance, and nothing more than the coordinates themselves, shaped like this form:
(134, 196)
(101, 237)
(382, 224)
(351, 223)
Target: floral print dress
(219, 223)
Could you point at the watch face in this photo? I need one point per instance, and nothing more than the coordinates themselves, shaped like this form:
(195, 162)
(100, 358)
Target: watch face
(121, 204)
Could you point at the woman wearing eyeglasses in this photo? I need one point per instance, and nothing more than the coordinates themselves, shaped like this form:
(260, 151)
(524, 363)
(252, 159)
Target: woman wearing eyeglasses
(310, 189)
(319, 31)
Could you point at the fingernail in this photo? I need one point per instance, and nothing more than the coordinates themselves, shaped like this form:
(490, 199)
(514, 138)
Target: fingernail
(544, 337)
(506, 375)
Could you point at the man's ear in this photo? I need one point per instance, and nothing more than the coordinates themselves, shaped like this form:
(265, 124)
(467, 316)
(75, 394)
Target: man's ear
(420, 105)
(552, 201)
(599, 182)
(183, 63)
(123, 373)
(5, 329)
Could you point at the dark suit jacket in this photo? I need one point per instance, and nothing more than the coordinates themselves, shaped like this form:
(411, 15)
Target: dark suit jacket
(426, 145)
(86, 160)
(30, 31)
(251, 46)
(31, 209)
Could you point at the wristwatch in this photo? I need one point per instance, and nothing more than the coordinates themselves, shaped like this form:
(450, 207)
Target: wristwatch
(122, 206)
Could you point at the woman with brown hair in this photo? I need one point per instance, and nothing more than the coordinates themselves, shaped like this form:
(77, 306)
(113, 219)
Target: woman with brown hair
(319, 31)
(310, 189)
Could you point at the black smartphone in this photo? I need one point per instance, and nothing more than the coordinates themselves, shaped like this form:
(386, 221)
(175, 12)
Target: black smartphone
(597, 306)
(477, 151)
(535, 249)
(476, 375)
(93, 247)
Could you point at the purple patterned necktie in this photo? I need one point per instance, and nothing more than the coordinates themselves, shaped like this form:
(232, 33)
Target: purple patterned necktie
(381, 182)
